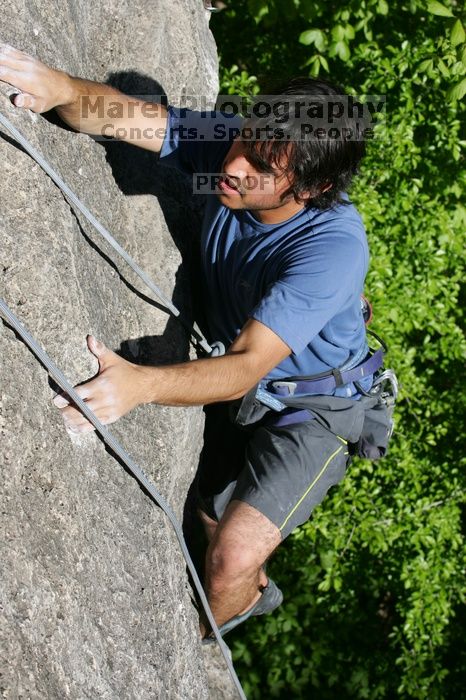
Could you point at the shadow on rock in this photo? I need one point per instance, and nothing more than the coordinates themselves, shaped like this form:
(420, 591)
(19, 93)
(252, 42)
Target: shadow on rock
(137, 171)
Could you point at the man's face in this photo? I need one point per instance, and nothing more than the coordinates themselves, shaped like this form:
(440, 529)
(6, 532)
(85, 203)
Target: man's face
(242, 186)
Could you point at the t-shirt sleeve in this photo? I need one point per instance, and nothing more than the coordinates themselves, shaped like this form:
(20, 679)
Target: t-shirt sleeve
(197, 142)
(313, 287)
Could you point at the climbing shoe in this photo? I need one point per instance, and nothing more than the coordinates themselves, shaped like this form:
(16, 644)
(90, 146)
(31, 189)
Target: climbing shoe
(270, 599)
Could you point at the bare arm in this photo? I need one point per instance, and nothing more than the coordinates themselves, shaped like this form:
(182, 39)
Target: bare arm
(253, 354)
(121, 385)
(94, 108)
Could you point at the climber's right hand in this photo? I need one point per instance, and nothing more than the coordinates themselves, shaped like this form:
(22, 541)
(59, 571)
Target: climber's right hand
(41, 88)
(119, 387)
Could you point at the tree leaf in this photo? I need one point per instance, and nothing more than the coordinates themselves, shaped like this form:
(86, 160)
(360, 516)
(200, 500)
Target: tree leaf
(308, 37)
(436, 8)
(382, 7)
(342, 50)
(313, 36)
(320, 41)
(443, 69)
(338, 33)
(323, 62)
(458, 91)
(457, 35)
(425, 65)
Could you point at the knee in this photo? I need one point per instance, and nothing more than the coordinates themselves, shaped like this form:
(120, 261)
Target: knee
(231, 562)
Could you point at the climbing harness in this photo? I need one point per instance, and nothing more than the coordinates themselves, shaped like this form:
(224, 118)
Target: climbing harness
(214, 350)
(291, 400)
(127, 460)
(326, 382)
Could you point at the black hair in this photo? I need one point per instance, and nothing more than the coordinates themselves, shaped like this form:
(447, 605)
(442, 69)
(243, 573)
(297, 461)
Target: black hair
(310, 162)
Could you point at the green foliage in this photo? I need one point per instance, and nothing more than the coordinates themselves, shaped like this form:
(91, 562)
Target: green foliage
(236, 82)
(374, 584)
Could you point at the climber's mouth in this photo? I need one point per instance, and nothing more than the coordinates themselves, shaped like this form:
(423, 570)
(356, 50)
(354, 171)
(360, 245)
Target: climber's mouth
(229, 185)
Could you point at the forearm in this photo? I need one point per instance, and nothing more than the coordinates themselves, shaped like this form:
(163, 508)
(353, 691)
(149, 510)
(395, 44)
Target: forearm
(94, 108)
(102, 110)
(79, 98)
(201, 381)
(120, 385)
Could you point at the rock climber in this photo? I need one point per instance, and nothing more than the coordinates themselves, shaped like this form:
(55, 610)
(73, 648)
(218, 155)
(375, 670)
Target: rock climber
(284, 258)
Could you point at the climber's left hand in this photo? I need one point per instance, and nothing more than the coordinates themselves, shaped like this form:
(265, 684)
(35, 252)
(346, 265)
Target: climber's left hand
(118, 388)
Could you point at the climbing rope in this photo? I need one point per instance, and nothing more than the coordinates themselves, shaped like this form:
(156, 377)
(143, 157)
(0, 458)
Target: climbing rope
(217, 348)
(135, 470)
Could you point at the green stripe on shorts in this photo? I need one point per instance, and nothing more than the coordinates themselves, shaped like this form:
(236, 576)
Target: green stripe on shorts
(332, 456)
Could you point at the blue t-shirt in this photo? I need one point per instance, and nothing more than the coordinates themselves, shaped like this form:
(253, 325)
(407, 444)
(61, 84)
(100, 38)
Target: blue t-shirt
(302, 277)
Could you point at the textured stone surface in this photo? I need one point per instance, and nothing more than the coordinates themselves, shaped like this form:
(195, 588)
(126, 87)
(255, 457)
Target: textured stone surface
(96, 602)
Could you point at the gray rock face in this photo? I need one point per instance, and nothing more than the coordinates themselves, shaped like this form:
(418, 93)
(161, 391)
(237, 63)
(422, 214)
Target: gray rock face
(96, 602)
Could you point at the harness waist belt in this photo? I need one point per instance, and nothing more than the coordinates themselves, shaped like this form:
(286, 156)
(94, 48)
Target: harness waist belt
(289, 417)
(325, 385)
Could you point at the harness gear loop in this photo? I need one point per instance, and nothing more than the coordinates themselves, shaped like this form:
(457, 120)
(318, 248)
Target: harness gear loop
(197, 336)
(128, 461)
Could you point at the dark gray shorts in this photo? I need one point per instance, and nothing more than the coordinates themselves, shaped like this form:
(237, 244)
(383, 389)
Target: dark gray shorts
(283, 472)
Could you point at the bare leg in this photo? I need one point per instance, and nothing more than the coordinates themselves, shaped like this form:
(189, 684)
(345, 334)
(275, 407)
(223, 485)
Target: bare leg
(241, 542)
(210, 527)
